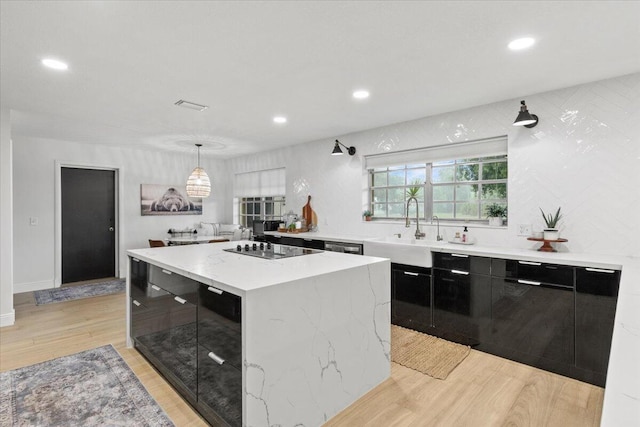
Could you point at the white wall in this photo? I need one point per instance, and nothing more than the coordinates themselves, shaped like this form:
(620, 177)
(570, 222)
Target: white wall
(34, 196)
(7, 314)
(584, 156)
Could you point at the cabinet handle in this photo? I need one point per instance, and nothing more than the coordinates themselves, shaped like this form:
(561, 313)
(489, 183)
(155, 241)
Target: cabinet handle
(180, 300)
(155, 288)
(166, 271)
(409, 273)
(528, 282)
(136, 303)
(464, 273)
(212, 289)
(529, 263)
(460, 255)
(219, 360)
(600, 270)
(135, 259)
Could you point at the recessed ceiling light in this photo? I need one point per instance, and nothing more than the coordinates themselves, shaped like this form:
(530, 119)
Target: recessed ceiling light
(279, 119)
(523, 43)
(55, 64)
(361, 94)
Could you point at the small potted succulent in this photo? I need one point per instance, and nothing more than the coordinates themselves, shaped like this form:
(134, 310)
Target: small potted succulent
(496, 214)
(551, 232)
(367, 215)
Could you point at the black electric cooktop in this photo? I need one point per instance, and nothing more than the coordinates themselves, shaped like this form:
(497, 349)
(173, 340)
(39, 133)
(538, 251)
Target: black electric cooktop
(271, 251)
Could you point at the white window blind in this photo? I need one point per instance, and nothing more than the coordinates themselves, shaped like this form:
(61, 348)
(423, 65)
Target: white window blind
(479, 148)
(260, 183)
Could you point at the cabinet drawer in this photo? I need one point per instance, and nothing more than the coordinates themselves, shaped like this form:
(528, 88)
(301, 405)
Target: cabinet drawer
(533, 271)
(462, 262)
(219, 325)
(411, 297)
(219, 389)
(177, 284)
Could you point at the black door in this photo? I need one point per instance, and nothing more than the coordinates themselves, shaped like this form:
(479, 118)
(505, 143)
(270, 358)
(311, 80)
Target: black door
(88, 224)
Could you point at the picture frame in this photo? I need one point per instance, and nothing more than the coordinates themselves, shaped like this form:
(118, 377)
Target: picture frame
(161, 199)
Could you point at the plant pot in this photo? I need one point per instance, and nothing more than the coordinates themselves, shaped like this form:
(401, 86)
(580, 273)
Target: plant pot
(367, 218)
(551, 234)
(495, 221)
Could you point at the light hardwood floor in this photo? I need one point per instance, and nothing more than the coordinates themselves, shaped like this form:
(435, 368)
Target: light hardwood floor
(483, 391)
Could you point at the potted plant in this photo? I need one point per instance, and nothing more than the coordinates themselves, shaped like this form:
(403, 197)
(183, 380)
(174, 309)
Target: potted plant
(367, 215)
(496, 214)
(414, 190)
(551, 232)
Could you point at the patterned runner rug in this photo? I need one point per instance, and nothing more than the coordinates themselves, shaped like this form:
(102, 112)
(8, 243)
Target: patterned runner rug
(91, 388)
(423, 353)
(47, 296)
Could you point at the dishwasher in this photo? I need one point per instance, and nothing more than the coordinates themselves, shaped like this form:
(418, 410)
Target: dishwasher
(347, 248)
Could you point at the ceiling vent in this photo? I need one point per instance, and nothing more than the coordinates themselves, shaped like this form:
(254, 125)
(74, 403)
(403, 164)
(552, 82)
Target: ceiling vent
(191, 105)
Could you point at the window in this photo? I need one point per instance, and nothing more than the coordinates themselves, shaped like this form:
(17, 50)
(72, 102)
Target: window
(259, 195)
(253, 208)
(454, 188)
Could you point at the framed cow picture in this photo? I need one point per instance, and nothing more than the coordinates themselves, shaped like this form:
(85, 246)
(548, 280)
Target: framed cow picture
(157, 199)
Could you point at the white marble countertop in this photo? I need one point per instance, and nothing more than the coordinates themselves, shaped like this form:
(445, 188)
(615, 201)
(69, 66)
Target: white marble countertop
(239, 274)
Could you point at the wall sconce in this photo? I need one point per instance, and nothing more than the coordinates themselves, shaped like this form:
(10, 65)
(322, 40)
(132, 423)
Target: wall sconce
(524, 118)
(337, 151)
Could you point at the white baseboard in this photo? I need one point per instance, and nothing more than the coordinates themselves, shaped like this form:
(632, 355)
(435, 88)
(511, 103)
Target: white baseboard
(33, 286)
(8, 319)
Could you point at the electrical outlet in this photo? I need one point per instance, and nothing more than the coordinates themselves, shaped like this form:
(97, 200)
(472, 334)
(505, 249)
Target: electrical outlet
(524, 229)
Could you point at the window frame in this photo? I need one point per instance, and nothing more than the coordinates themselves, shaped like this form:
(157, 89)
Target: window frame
(262, 201)
(427, 203)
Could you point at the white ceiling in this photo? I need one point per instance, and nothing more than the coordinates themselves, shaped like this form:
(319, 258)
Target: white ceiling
(129, 61)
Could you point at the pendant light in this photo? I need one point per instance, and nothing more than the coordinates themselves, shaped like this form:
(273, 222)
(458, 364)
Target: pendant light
(198, 184)
(525, 118)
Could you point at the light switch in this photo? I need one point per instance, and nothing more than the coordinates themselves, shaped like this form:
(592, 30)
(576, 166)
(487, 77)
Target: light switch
(33, 221)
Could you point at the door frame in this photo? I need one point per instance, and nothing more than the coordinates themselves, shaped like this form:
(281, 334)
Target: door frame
(119, 206)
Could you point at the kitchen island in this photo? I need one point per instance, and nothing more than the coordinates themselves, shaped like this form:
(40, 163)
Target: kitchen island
(314, 328)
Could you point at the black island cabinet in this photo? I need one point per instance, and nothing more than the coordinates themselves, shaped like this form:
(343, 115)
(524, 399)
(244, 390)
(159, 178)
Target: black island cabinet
(191, 333)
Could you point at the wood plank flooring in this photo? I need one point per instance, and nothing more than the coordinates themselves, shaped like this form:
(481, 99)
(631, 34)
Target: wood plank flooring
(483, 391)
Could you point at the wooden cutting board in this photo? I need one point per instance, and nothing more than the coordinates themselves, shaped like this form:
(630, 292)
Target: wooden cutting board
(308, 214)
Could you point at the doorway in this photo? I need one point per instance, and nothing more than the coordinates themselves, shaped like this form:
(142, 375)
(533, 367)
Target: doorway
(88, 224)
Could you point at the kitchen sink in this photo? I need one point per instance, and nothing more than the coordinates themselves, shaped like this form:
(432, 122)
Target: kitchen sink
(403, 250)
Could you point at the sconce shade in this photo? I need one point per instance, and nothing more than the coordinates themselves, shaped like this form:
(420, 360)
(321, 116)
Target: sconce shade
(525, 118)
(337, 151)
(198, 183)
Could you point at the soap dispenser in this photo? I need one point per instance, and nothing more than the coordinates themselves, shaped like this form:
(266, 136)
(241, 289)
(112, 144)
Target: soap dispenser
(465, 235)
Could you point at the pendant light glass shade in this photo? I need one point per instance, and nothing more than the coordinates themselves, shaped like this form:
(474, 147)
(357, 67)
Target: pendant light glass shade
(198, 183)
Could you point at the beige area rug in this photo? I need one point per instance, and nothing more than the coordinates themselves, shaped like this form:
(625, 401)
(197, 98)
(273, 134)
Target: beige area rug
(423, 353)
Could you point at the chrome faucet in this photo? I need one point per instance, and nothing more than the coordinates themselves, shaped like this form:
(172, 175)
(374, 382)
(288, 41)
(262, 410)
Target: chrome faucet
(407, 223)
(438, 236)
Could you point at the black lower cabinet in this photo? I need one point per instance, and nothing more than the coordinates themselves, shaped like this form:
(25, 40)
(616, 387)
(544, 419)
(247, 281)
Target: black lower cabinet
(596, 299)
(533, 324)
(191, 333)
(411, 297)
(462, 306)
(220, 356)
